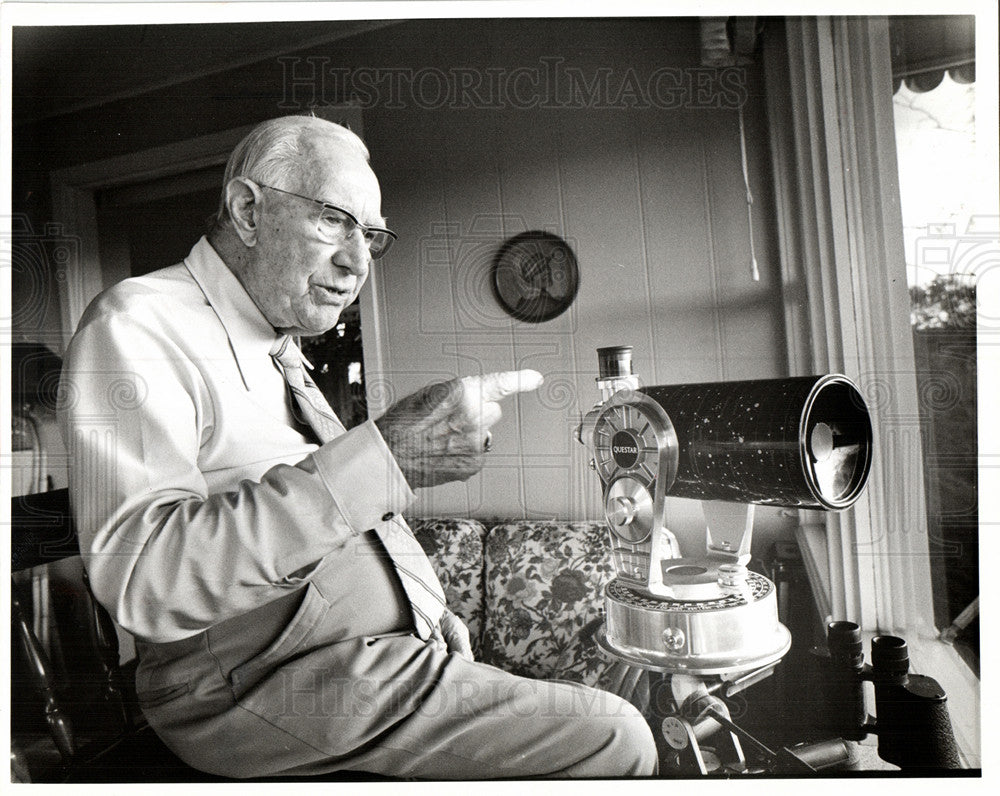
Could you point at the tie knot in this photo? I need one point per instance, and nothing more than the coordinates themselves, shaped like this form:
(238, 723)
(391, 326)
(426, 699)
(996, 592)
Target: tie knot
(286, 353)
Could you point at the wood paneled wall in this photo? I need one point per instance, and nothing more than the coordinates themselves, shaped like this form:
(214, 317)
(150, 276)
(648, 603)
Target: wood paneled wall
(652, 199)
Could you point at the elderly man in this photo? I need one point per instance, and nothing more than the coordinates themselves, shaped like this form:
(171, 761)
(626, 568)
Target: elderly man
(286, 622)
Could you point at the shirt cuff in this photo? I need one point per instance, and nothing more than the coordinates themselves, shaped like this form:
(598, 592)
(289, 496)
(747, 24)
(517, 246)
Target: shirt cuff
(362, 476)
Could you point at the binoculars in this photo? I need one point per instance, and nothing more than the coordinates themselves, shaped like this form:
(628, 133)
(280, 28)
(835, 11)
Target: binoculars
(911, 714)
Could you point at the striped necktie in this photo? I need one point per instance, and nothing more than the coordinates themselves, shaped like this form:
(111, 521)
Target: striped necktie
(309, 406)
(421, 585)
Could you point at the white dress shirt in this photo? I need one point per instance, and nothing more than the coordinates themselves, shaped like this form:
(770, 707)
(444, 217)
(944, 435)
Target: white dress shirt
(195, 497)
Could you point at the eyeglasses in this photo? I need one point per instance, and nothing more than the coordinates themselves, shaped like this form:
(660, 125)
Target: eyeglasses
(336, 225)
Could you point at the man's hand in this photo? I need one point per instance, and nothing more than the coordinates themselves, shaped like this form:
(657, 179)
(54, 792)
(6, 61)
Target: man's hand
(456, 635)
(436, 434)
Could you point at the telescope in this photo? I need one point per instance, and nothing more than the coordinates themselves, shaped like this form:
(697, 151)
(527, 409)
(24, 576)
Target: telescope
(705, 622)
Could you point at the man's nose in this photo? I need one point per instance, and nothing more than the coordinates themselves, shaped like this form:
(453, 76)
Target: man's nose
(353, 254)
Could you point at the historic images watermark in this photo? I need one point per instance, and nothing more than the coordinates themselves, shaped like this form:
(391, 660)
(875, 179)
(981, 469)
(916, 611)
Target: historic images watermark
(36, 261)
(950, 266)
(317, 692)
(548, 84)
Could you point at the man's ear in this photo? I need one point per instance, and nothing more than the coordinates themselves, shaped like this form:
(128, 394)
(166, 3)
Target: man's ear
(242, 201)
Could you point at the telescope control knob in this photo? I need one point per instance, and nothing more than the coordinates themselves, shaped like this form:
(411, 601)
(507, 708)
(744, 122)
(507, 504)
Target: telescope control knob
(622, 511)
(628, 507)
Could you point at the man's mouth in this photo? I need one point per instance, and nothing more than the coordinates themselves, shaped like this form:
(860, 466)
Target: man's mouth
(337, 294)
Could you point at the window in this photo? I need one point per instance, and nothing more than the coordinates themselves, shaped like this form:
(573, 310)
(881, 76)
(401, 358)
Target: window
(934, 113)
(829, 92)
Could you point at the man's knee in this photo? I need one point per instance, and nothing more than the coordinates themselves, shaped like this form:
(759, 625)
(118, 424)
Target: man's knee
(632, 748)
(614, 739)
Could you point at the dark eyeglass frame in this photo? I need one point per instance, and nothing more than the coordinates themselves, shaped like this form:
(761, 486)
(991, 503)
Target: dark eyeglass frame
(376, 253)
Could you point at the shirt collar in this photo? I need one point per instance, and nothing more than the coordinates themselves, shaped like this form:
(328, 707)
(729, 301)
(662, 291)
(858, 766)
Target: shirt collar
(250, 334)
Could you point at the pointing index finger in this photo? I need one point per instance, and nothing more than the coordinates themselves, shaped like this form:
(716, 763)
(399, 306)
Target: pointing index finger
(495, 386)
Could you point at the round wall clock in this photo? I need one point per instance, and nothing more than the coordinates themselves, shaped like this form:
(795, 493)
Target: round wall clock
(535, 276)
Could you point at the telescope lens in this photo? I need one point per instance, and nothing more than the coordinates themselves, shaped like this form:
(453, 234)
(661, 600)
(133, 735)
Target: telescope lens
(837, 437)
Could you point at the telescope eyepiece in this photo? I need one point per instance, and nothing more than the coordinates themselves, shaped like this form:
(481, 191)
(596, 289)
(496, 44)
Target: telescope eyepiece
(614, 362)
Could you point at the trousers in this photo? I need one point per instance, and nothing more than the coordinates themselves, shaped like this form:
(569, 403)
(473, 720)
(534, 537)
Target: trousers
(292, 688)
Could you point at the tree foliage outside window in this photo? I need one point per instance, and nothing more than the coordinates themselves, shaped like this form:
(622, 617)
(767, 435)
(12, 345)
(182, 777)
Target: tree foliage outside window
(946, 302)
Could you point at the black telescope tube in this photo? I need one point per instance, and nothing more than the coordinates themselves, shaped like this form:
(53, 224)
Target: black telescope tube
(802, 442)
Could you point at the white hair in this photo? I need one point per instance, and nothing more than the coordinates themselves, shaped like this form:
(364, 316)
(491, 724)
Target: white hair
(274, 153)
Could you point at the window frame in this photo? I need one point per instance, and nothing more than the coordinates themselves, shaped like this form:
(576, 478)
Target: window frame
(828, 82)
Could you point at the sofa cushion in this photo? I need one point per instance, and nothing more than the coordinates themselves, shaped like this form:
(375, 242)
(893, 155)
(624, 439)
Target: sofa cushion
(544, 598)
(455, 548)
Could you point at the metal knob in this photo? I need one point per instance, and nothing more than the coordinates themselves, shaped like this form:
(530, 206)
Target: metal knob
(623, 510)
(734, 575)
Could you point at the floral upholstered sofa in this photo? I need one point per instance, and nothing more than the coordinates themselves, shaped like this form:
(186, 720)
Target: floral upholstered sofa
(530, 591)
